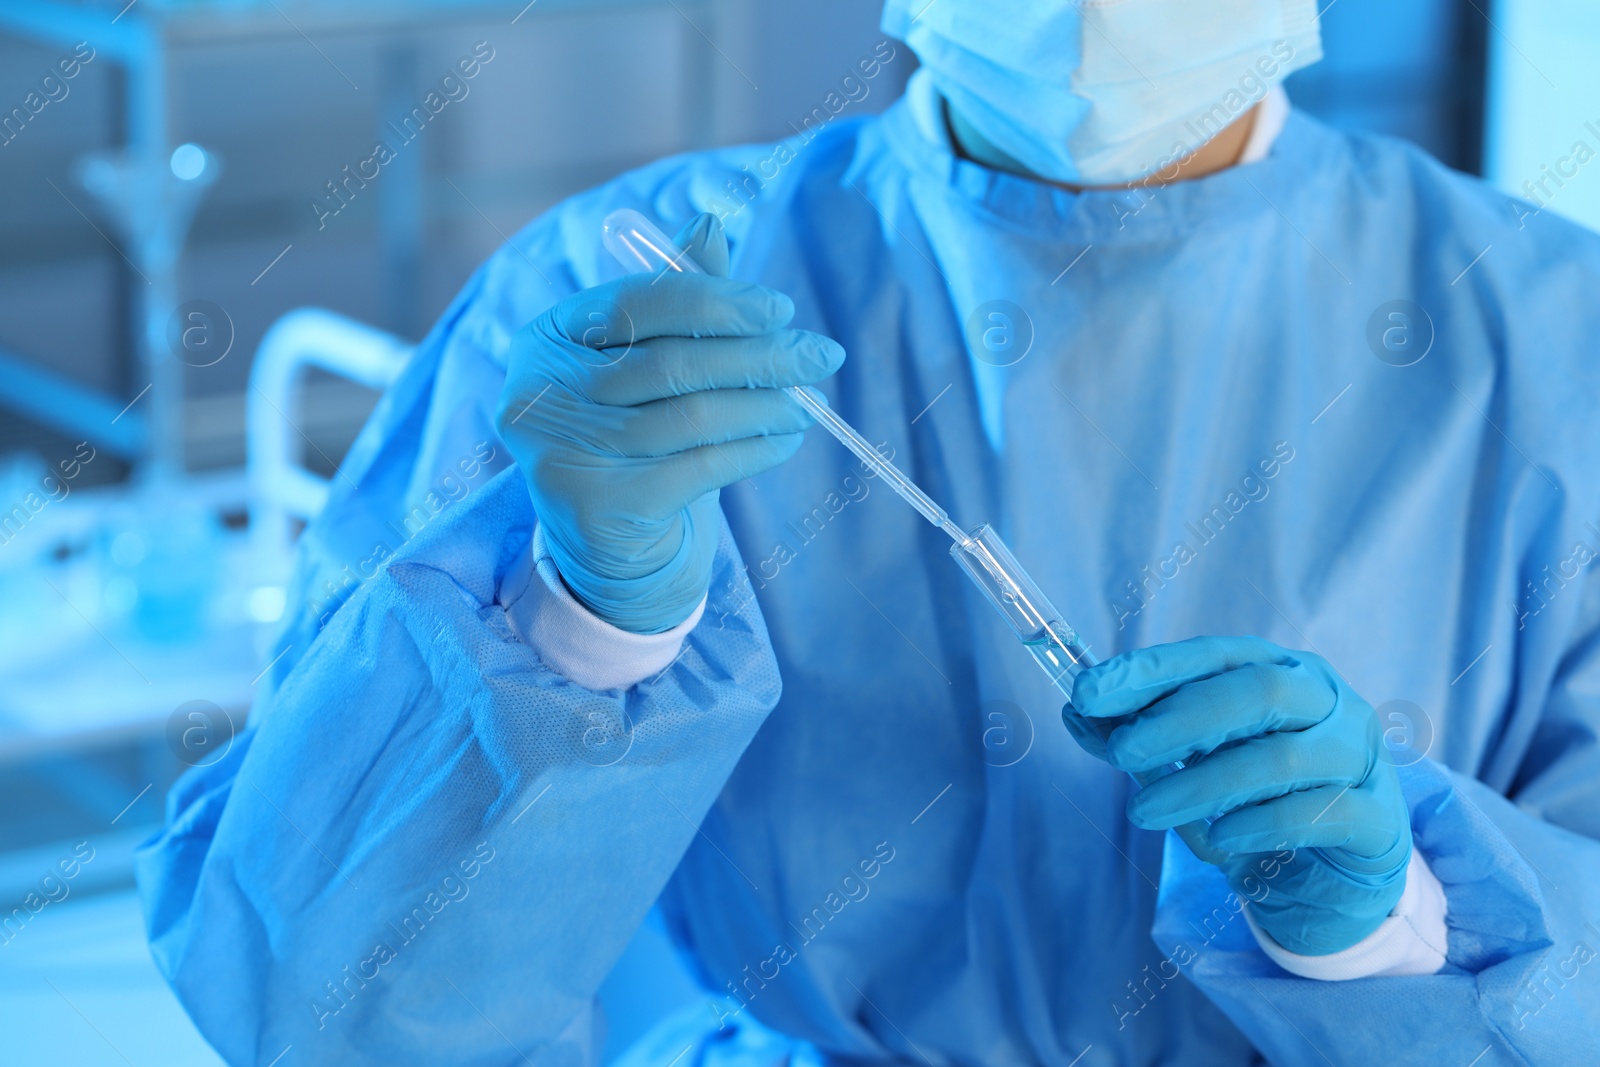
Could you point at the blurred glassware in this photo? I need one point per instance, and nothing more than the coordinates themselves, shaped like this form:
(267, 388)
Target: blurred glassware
(161, 569)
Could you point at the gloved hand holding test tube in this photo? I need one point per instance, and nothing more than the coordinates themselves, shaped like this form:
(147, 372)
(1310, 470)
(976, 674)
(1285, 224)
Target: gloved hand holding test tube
(638, 244)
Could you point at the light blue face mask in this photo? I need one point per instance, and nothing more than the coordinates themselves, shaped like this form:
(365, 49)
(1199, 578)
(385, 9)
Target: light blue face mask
(1104, 92)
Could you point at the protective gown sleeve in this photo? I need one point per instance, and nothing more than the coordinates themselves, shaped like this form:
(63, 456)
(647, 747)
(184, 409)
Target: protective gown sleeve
(429, 846)
(435, 847)
(1521, 984)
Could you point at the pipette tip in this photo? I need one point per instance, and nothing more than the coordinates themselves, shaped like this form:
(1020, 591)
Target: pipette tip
(957, 534)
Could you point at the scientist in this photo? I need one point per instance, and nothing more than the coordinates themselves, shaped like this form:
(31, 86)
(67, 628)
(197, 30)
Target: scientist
(1212, 368)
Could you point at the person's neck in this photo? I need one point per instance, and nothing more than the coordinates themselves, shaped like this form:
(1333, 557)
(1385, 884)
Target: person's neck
(1219, 153)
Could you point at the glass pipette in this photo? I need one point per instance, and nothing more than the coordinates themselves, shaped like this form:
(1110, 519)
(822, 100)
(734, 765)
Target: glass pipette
(637, 243)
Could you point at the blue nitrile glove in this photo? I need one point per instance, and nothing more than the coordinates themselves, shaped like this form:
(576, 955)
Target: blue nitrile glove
(629, 405)
(1287, 754)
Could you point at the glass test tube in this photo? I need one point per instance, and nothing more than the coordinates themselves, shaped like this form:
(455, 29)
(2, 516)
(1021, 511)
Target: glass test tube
(1049, 638)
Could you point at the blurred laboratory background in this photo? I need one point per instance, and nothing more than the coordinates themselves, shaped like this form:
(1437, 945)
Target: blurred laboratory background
(199, 308)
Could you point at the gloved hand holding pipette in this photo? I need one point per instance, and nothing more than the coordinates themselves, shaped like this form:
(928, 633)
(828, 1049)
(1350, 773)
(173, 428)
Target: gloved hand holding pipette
(629, 405)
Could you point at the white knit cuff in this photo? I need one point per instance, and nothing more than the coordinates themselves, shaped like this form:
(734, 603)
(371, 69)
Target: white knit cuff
(1271, 114)
(576, 643)
(1413, 940)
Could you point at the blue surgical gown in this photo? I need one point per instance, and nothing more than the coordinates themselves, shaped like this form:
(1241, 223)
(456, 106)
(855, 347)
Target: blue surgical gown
(1341, 398)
